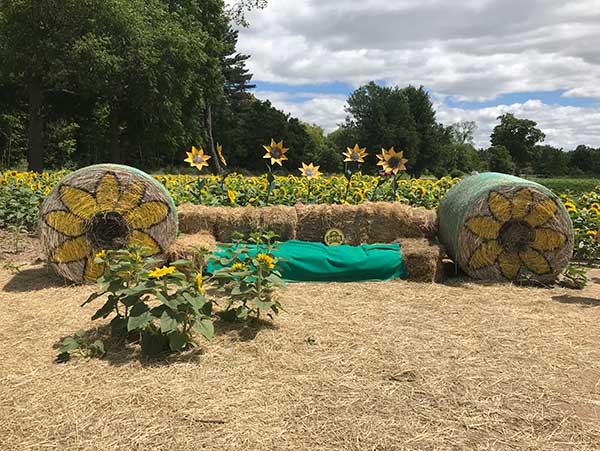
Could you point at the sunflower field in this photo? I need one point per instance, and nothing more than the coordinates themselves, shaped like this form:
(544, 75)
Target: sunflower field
(22, 193)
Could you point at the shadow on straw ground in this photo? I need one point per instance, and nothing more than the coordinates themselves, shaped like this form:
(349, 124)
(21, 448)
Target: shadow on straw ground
(582, 300)
(120, 353)
(34, 279)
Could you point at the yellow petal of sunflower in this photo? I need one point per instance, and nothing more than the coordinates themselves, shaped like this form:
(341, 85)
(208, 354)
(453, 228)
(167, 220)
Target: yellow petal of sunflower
(93, 270)
(139, 238)
(146, 215)
(65, 222)
(485, 255)
(521, 203)
(547, 239)
(130, 198)
(484, 227)
(509, 264)
(78, 201)
(535, 261)
(72, 250)
(107, 193)
(541, 213)
(500, 206)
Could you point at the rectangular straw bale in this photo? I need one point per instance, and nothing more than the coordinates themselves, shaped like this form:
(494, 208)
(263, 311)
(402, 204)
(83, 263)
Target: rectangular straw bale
(279, 219)
(196, 218)
(387, 222)
(423, 259)
(315, 220)
(246, 220)
(183, 248)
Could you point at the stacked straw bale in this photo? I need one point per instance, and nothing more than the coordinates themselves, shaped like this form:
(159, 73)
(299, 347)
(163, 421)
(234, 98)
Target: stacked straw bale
(104, 207)
(224, 222)
(499, 227)
(372, 222)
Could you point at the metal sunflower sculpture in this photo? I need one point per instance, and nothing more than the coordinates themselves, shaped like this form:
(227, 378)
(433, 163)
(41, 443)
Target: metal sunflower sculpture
(96, 209)
(309, 171)
(197, 158)
(355, 155)
(276, 152)
(516, 234)
(391, 161)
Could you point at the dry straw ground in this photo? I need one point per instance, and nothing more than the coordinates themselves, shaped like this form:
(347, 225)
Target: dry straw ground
(360, 366)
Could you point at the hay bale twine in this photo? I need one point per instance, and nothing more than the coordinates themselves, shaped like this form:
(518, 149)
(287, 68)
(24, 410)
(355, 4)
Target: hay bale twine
(500, 227)
(104, 207)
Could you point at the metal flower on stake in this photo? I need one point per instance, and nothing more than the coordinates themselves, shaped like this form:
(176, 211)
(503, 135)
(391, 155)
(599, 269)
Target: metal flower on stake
(224, 174)
(392, 162)
(355, 155)
(198, 159)
(310, 172)
(276, 153)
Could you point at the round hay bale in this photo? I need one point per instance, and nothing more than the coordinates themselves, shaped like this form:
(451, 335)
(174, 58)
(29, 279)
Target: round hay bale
(104, 207)
(501, 227)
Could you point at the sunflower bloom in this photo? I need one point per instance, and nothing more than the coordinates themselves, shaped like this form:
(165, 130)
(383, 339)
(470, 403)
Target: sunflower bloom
(197, 158)
(159, 273)
(309, 171)
(276, 152)
(112, 217)
(355, 155)
(515, 236)
(267, 260)
(392, 161)
(199, 283)
(220, 153)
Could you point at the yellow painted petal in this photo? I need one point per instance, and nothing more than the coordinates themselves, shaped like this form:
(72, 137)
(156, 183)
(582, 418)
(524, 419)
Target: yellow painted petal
(485, 255)
(500, 206)
(78, 201)
(107, 193)
(541, 213)
(521, 203)
(484, 227)
(139, 238)
(72, 250)
(509, 265)
(146, 215)
(131, 197)
(547, 239)
(93, 270)
(65, 222)
(535, 261)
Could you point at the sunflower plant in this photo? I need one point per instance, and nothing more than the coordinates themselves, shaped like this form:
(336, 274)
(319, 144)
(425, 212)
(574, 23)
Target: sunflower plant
(249, 276)
(392, 162)
(161, 307)
(198, 159)
(354, 155)
(276, 153)
(309, 171)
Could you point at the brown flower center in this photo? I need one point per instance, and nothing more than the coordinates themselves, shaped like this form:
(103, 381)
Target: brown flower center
(394, 162)
(516, 236)
(108, 230)
(275, 153)
(198, 159)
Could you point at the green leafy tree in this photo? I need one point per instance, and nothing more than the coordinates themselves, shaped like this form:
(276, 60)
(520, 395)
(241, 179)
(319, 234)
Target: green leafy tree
(519, 136)
(550, 161)
(498, 159)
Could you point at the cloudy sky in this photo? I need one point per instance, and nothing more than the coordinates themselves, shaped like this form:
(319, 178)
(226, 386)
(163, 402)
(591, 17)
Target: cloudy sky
(539, 59)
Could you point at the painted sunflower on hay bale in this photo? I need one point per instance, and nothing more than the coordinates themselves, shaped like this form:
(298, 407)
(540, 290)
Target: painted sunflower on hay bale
(500, 227)
(104, 207)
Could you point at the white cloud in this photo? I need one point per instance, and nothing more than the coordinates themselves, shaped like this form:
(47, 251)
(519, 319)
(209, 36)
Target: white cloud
(564, 126)
(467, 49)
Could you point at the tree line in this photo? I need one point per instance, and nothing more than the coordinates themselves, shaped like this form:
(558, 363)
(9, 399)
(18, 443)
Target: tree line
(139, 82)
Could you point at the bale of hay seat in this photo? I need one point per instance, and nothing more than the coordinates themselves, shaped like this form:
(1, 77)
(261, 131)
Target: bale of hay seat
(500, 227)
(315, 220)
(224, 222)
(423, 259)
(184, 246)
(387, 222)
(104, 207)
(370, 222)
